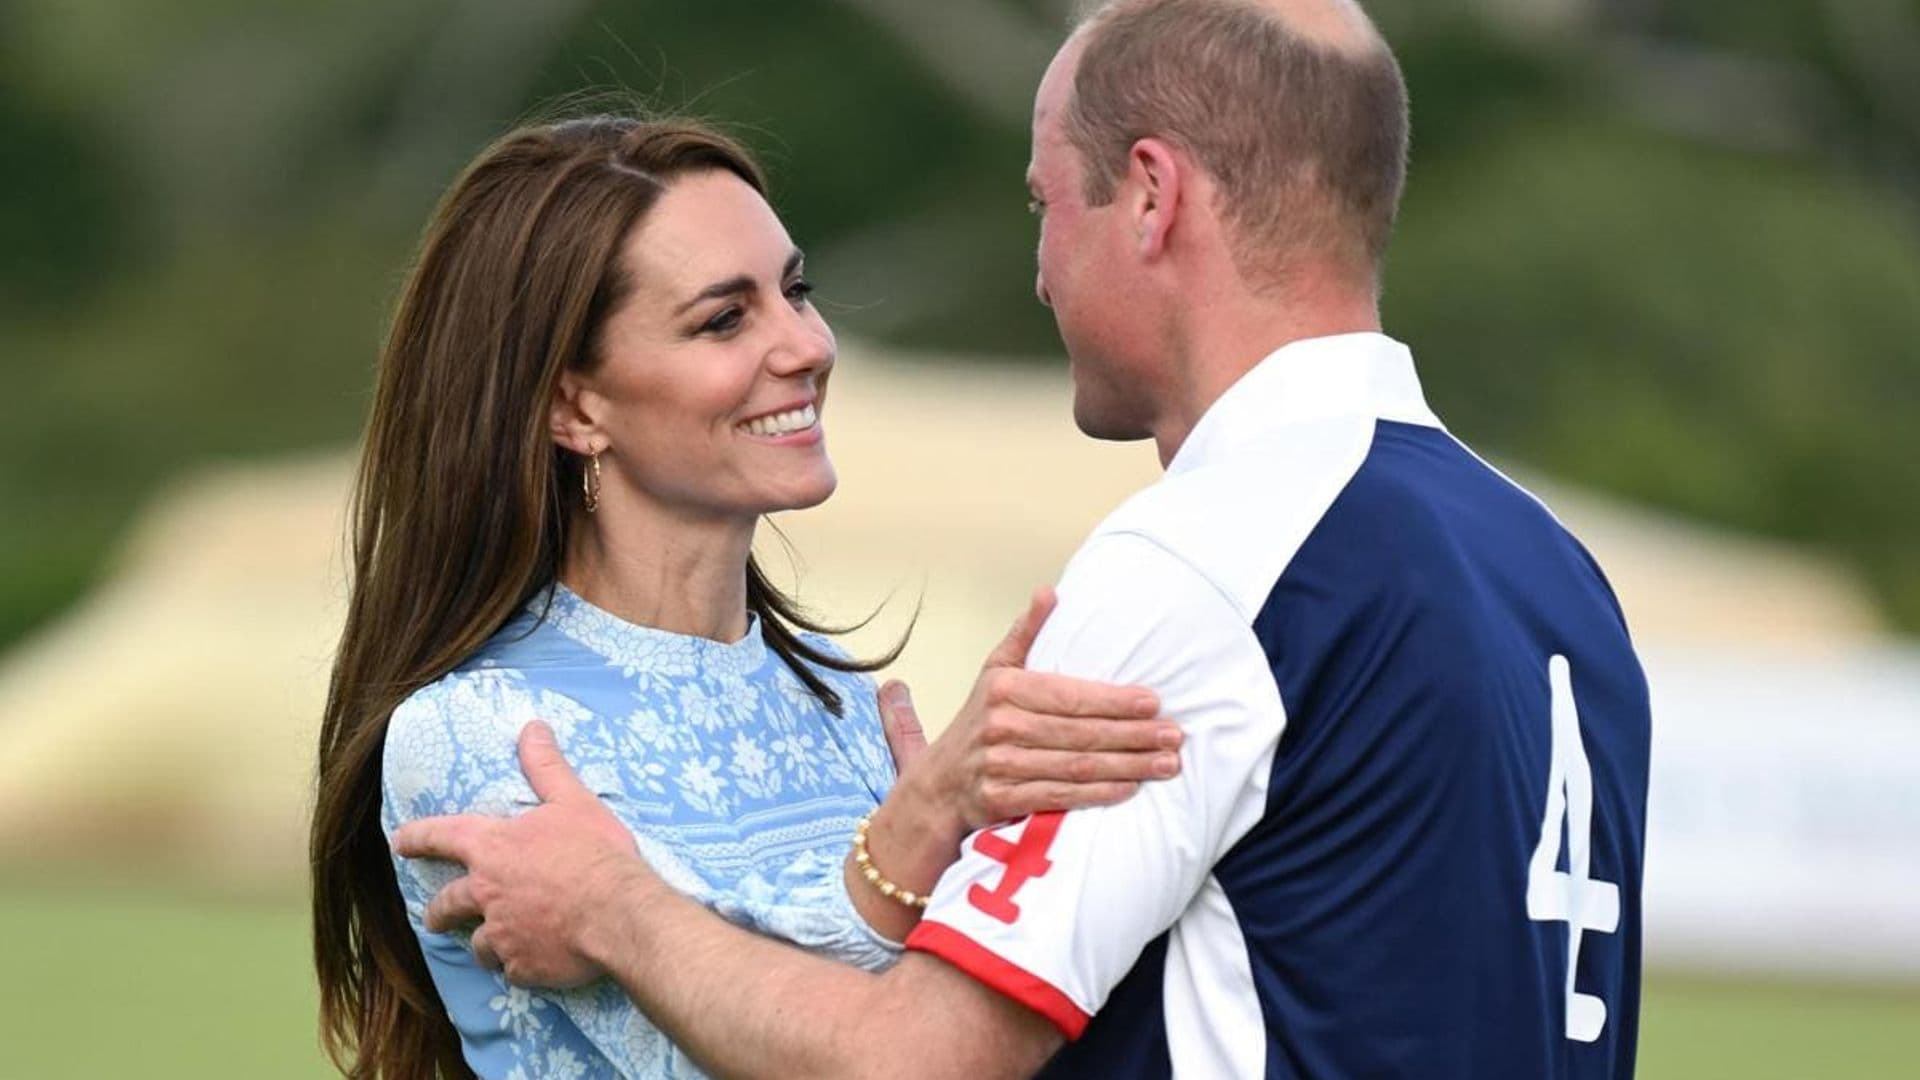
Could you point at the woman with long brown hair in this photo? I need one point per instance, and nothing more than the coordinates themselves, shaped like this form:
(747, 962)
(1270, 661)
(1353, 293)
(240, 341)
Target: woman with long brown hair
(604, 369)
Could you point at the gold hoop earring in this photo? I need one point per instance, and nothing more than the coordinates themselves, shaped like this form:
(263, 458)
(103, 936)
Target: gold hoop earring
(590, 482)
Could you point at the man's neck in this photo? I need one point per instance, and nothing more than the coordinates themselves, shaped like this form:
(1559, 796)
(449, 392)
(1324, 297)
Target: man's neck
(1232, 339)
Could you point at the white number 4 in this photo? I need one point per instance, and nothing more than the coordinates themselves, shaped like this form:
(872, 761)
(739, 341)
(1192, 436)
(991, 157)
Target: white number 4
(1569, 895)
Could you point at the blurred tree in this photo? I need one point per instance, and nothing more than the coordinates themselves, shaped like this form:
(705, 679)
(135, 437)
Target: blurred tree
(1669, 249)
(66, 218)
(1728, 338)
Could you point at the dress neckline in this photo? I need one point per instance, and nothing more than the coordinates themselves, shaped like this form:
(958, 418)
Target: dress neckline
(612, 636)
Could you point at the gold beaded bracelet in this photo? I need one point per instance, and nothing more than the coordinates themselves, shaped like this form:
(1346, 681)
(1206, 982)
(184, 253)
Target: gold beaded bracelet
(873, 875)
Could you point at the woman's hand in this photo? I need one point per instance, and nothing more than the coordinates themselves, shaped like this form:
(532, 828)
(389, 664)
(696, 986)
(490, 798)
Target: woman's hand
(1027, 741)
(1024, 742)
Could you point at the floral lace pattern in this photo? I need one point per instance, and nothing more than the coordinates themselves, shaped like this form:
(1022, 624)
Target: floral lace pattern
(740, 789)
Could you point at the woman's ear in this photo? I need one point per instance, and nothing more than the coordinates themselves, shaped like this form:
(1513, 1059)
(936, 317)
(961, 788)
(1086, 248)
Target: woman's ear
(571, 417)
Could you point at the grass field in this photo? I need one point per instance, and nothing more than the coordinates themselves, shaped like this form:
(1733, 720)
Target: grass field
(97, 983)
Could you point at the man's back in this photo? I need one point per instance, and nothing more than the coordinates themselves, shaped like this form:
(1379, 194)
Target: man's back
(1389, 887)
(1417, 639)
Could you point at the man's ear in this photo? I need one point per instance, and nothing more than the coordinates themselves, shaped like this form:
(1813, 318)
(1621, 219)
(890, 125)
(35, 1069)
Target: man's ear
(571, 418)
(1156, 184)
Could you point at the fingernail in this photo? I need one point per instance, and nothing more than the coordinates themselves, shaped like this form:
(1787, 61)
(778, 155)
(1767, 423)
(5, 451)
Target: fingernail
(1146, 704)
(1166, 764)
(895, 693)
(1171, 737)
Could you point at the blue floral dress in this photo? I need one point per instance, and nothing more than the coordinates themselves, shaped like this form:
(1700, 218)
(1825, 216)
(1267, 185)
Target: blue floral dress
(740, 789)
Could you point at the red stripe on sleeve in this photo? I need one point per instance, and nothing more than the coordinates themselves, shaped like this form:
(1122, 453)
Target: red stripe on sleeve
(1003, 975)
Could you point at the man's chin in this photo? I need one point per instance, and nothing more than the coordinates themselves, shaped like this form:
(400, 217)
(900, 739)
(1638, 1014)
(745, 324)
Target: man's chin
(1103, 425)
(1098, 412)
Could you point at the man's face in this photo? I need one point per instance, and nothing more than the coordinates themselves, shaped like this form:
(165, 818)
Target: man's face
(1087, 273)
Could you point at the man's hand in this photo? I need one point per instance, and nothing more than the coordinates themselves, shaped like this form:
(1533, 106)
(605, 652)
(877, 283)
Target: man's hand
(538, 882)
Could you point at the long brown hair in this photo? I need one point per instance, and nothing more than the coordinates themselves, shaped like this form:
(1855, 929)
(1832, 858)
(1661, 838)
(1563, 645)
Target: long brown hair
(459, 516)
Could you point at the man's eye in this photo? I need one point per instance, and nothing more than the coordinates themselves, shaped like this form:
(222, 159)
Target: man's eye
(799, 291)
(1036, 207)
(725, 322)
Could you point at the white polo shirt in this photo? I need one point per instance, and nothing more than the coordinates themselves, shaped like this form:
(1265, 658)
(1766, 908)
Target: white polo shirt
(1354, 620)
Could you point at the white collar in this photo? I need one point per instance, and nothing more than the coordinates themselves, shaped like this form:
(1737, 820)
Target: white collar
(1364, 374)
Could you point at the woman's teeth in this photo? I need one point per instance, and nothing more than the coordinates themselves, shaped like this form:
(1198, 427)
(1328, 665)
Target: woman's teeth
(785, 423)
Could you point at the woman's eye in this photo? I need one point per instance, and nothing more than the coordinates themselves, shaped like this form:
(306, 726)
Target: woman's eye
(724, 322)
(798, 292)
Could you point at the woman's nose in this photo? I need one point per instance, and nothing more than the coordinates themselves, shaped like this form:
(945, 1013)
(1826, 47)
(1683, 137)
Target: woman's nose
(807, 345)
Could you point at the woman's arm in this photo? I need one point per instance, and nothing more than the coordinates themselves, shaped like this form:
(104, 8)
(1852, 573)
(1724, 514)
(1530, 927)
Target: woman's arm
(427, 770)
(1023, 743)
(741, 1004)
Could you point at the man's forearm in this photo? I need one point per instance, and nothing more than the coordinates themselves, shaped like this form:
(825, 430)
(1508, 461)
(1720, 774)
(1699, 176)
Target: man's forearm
(728, 997)
(747, 1006)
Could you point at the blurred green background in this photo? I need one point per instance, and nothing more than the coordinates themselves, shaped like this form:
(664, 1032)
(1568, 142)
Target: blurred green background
(162, 984)
(1670, 250)
(1667, 250)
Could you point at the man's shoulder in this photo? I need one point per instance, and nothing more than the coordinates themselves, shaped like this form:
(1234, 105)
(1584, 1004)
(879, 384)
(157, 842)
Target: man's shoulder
(1237, 520)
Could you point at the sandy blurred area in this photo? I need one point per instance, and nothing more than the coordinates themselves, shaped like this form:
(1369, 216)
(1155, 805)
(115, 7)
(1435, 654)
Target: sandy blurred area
(167, 722)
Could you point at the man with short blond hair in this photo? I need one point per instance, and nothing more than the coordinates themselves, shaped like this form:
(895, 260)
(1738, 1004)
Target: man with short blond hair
(1322, 174)
(1407, 835)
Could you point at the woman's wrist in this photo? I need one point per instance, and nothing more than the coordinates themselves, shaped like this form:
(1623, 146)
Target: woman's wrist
(915, 833)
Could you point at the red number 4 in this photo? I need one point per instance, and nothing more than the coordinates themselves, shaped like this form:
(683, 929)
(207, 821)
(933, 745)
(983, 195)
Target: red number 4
(1025, 859)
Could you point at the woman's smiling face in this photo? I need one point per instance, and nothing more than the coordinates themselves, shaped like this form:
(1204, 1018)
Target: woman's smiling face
(713, 372)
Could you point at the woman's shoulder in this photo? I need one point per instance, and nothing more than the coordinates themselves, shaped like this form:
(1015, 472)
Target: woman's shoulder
(453, 742)
(857, 689)
(468, 700)
(862, 733)
(843, 681)
(824, 644)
